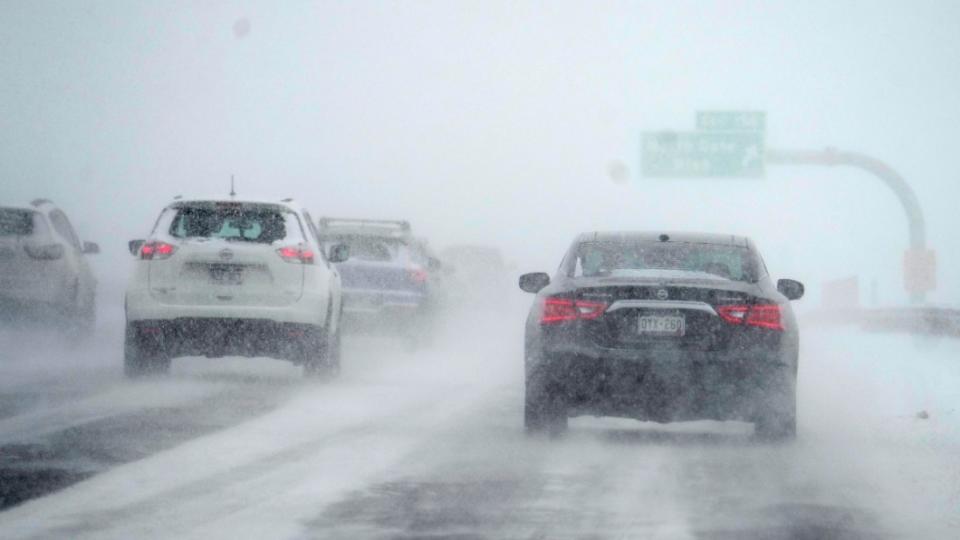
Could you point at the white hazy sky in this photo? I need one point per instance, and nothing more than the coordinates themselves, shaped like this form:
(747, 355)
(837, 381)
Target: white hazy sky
(490, 122)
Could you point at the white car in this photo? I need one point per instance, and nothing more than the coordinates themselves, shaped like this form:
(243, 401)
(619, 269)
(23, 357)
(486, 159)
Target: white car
(228, 277)
(43, 266)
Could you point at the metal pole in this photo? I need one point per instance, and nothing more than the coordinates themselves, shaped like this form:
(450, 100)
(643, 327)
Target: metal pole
(893, 180)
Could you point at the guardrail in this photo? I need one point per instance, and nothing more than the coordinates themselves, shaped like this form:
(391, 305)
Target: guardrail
(918, 320)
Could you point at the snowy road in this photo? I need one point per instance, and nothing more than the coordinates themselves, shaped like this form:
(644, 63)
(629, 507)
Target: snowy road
(430, 445)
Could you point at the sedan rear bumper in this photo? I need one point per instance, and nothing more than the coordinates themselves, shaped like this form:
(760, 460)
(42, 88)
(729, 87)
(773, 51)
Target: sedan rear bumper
(667, 385)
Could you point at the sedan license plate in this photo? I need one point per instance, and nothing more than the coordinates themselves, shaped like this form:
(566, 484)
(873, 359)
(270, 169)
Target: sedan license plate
(661, 325)
(226, 275)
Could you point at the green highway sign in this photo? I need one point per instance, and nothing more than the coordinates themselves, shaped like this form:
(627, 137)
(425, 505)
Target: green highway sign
(669, 154)
(731, 120)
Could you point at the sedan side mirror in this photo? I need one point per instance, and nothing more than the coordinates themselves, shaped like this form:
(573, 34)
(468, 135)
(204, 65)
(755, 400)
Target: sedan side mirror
(534, 282)
(135, 245)
(91, 248)
(338, 253)
(790, 288)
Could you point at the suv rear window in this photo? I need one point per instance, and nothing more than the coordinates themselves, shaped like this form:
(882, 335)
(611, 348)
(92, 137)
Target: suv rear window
(639, 259)
(245, 224)
(16, 222)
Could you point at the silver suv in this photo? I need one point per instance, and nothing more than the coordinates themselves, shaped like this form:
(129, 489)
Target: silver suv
(43, 266)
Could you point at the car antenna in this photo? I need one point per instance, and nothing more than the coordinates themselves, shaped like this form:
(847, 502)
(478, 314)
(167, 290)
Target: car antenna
(233, 192)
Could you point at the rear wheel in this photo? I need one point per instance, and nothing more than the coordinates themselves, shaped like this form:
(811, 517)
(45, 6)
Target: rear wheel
(331, 354)
(77, 317)
(322, 354)
(776, 428)
(143, 354)
(778, 422)
(545, 408)
(82, 323)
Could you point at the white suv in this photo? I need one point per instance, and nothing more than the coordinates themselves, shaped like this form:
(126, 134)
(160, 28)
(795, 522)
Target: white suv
(225, 277)
(43, 266)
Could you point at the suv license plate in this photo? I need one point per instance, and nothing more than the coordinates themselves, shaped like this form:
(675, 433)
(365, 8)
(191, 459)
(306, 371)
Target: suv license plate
(226, 275)
(661, 325)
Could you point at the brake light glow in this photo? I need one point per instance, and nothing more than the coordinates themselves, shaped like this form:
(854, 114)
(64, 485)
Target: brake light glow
(765, 316)
(761, 315)
(559, 310)
(418, 275)
(156, 251)
(296, 255)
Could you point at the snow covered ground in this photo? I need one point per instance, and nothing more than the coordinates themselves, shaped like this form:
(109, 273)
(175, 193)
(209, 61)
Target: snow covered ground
(431, 445)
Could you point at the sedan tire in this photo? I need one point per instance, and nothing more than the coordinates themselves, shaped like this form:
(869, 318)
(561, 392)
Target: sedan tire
(545, 409)
(778, 424)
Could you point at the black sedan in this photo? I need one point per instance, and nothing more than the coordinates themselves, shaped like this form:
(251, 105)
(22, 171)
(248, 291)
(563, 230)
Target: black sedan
(662, 327)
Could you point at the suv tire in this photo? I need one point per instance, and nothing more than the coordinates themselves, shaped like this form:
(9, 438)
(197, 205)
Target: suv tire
(82, 323)
(143, 357)
(322, 356)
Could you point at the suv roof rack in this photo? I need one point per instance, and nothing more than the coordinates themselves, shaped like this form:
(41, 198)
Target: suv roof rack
(38, 202)
(331, 222)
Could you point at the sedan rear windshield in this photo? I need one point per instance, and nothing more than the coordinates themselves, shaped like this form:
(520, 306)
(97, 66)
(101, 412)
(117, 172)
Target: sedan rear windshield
(665, 259)
(238, 223)
(16, 222)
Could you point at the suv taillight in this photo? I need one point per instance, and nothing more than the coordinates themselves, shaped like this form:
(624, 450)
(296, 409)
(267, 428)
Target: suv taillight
(560, 310)
(296, 255)
(156, 250)
(760, 315)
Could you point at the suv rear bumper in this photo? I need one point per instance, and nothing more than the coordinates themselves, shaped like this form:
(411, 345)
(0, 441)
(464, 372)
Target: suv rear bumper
(217, 337)
(39, 288)
(310, 309)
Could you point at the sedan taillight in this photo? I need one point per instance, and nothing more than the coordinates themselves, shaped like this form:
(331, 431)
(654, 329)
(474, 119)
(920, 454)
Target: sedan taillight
(560, 310)
(760, 315)
(156, 251)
